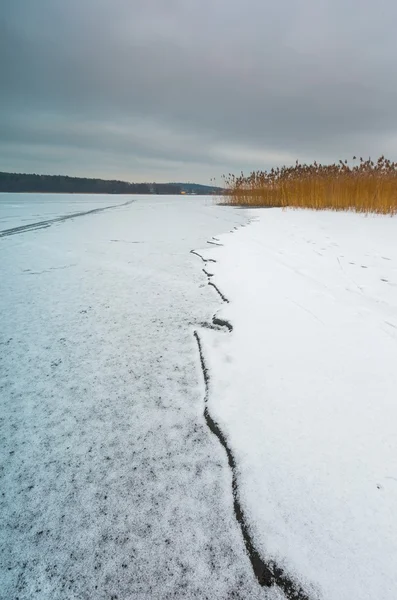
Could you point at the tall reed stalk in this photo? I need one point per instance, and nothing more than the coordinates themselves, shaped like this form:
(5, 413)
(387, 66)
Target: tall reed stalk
(366, 187)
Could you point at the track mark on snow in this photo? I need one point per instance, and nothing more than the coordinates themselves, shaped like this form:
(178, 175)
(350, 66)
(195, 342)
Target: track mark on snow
(309, 312)
(49, 222)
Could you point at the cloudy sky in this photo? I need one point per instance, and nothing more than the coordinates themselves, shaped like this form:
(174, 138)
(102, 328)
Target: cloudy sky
(186, 90)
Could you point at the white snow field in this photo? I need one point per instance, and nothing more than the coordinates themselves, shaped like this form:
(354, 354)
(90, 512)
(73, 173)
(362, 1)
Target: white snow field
(112, 485)
(304, 390)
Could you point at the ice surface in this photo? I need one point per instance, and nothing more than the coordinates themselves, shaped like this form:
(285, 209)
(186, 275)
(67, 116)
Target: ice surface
(112, 486)
(22, 209)
(305, 390)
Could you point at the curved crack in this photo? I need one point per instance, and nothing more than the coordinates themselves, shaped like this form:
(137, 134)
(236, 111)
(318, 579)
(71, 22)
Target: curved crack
(217, 324)
(267, 573)
(202, 257)
(209, 326)
(262, 572)
(222, 323)
(219, 291)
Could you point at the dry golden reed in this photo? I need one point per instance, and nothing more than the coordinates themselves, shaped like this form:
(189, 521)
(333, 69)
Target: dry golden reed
(369, 187)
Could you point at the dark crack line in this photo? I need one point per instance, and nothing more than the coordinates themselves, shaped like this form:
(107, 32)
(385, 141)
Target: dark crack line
(209, 275)
(49, 222)
(262, 572)
(210, 326)
(202, 257)
(222, 323)
(214, 243)
(267, 573)
(219, 292)
(217, 324)
(203, 366)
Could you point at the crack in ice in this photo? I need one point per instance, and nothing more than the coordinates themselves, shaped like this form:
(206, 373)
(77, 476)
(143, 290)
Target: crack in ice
(49, 222)
(267, 573)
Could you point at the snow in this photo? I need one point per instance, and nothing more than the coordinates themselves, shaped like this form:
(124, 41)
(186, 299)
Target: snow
(21, 209)
(112, 486)
(304, 389)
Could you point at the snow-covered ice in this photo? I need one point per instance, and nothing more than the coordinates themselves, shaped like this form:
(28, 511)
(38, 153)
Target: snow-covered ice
(112, 485)
(305, 391)
(23, 209)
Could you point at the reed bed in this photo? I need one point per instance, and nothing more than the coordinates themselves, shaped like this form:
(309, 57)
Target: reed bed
(367, 186)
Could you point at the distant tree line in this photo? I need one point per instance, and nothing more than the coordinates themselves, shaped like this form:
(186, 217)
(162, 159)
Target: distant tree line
(198, 188)
(61, 184)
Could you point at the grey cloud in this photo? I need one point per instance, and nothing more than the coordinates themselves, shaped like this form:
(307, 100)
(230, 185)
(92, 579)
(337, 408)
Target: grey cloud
(269, 80)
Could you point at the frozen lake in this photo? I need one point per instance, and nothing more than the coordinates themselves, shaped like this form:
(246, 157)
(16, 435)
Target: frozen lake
(112, 485)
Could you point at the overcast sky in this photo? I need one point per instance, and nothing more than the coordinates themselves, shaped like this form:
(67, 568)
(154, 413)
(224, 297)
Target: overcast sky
(185, 90)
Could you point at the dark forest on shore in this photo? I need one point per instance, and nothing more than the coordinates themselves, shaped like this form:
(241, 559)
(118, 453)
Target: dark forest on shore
(62, 184)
